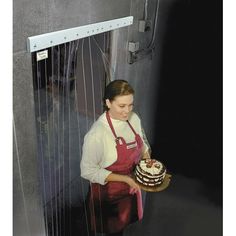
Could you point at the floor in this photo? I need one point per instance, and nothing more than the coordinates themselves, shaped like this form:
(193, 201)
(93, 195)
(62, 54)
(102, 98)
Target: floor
(185, 208)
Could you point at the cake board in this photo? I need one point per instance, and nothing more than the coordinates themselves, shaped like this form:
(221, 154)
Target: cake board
(158, 188)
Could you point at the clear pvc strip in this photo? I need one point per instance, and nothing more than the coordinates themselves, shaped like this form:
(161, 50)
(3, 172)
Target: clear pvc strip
(92, 82)
(92, 212)
(80, 148)
(69, 154)
(107, 65)
(63, 138)
(41, 155)
(76, 45)
(47, 132)
(54, 102)
(58, 142)
(84, 84)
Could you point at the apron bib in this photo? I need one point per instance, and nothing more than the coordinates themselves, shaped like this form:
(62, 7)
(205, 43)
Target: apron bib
(111, 206)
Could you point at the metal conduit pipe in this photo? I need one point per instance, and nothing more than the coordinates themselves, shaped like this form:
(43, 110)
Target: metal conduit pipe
(155, 25)
(144, 52)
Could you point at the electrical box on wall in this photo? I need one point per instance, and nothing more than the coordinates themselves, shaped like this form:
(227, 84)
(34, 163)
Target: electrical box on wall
(133, 46)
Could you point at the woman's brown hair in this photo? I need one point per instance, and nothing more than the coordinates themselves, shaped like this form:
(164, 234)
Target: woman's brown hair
(116, 88)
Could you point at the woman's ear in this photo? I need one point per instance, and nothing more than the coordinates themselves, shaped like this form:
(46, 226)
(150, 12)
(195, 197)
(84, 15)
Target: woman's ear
(108, 103)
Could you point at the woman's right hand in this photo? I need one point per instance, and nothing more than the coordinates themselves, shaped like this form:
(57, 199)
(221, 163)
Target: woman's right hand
(134, 187)
(126, 179)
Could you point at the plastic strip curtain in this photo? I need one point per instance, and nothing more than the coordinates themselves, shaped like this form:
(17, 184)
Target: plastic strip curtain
(68, 89)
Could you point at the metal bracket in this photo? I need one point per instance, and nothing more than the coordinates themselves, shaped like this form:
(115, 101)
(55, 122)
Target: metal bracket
(39, 42)
(140, 54)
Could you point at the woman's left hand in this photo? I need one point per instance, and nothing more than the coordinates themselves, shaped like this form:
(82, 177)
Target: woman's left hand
(146, 155)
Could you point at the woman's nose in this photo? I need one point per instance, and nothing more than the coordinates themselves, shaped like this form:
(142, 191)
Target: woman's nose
(127, 109)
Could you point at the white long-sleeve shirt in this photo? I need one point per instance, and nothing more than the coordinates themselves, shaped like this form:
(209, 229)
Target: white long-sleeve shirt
(99, 147)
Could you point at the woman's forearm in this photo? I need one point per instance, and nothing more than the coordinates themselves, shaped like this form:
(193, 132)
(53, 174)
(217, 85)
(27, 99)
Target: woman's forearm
(122, 178)
(117, 178)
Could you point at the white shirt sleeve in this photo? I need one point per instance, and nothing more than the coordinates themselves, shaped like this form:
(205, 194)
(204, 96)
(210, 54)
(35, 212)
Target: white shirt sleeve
(91, 159)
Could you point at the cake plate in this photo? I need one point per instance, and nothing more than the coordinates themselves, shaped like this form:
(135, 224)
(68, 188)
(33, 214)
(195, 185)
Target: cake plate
(158, 188)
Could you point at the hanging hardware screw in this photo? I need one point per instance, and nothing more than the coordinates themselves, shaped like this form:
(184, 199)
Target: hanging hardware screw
(64, 37)
(35, 46)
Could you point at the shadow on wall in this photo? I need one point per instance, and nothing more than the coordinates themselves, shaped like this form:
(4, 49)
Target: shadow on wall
(189, 110)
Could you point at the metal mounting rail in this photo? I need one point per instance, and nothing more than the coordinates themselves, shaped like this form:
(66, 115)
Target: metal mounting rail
(42, 41)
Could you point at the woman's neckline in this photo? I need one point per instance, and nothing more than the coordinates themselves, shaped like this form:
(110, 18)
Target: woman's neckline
(116, 120)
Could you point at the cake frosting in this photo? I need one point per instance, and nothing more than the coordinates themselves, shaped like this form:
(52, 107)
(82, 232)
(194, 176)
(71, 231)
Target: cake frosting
(150, 172)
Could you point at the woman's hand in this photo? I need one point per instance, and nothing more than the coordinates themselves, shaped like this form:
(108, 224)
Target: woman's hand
(133, 185)
(124, 178)
(146, 155)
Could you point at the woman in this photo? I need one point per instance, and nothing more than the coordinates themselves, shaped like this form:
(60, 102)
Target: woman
(111, 149)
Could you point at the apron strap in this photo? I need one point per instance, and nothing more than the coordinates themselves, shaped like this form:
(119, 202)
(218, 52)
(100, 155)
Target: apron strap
(131, 127)
(110, 124)
(112, 128)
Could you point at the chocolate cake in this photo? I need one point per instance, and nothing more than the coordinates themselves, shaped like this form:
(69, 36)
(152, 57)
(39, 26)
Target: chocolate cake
(150, 172)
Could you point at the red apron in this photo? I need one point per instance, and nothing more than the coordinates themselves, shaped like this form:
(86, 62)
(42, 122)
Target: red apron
(112, 206)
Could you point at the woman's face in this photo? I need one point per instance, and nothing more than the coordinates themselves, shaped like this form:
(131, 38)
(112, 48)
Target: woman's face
(120, 107)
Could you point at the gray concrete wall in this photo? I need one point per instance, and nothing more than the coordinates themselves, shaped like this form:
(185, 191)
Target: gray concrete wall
(34, 17)
(28, 214)
(143, 74)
